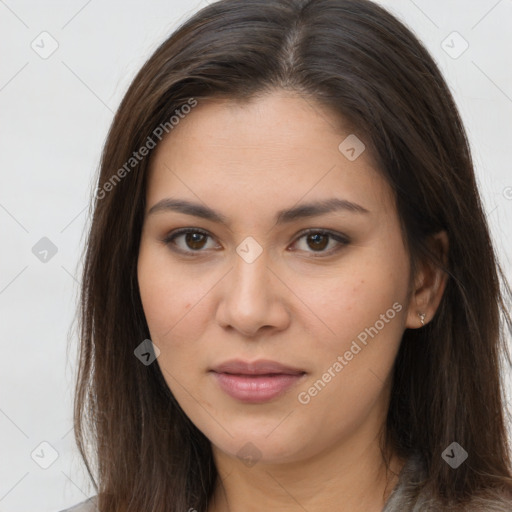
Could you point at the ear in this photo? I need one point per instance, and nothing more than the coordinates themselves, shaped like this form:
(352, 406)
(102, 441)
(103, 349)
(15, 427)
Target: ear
(429, 283)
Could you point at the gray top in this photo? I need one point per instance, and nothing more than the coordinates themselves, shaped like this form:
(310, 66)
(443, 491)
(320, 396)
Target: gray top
(408, 495)
(89, 505)
(405, 497)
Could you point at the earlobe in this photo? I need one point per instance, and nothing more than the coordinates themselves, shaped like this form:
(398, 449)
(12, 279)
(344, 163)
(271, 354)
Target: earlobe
(430, 283)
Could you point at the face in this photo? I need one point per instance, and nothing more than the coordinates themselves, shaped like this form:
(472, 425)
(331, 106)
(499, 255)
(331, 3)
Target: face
(273, 274)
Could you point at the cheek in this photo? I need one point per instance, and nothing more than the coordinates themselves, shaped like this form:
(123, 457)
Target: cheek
(166, 295)
(175, 309)
(356, 298)
(364, 309)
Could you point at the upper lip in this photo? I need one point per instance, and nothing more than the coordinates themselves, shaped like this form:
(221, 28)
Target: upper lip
(260, 367)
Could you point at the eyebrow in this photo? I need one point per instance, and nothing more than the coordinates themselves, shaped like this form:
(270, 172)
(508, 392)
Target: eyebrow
(283, 216)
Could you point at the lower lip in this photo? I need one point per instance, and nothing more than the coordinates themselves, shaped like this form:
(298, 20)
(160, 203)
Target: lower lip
(256, 388)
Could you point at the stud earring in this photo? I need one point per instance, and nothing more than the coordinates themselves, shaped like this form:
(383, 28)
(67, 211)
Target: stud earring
(422, 318)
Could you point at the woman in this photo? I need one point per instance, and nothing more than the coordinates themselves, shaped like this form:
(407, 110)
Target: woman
(290, 296)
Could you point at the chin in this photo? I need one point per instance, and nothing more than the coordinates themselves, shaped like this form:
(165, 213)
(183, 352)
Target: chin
(267, 445)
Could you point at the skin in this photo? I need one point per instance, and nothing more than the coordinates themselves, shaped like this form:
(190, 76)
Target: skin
(301, 307)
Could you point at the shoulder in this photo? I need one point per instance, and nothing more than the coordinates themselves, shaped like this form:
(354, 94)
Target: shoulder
(89, 505)
(410, 494)
(405, 494)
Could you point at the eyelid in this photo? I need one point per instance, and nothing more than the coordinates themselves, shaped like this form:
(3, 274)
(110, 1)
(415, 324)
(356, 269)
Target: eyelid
(168, 239)
(340, 238)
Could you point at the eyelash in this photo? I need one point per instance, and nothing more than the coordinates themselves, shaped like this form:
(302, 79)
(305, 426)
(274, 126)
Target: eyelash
(338, 237)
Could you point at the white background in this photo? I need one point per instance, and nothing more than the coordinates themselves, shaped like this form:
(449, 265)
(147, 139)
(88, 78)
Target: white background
(55, 114)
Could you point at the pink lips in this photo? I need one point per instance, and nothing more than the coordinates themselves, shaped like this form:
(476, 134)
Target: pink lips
(255, 382)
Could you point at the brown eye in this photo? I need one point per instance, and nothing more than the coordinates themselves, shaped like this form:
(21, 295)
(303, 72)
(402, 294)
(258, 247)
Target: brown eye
(318, 240)
(194, 240)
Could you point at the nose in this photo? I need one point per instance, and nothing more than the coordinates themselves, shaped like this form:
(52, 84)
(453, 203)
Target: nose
(254, 298)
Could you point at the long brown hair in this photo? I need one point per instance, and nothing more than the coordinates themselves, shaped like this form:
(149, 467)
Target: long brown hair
(352, 56)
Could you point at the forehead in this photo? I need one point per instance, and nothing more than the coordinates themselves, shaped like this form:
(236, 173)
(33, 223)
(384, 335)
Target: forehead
(273, 150)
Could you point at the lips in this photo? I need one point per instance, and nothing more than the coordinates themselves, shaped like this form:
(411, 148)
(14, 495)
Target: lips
(255, 382)
(261, 367)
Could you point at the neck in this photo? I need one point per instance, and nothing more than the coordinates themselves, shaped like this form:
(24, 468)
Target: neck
(351, 477)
